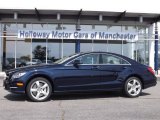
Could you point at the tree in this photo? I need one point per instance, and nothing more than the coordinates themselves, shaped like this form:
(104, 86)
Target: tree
(39, 52)
(25, 58)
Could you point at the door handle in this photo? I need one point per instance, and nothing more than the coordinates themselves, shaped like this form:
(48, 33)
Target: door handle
(115, 73)
(125, 67)
(95, 67)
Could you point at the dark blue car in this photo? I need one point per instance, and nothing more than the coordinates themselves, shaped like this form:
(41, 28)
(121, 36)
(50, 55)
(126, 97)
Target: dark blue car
(92, 71)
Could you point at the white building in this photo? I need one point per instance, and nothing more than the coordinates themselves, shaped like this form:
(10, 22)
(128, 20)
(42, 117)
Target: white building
(59, 33)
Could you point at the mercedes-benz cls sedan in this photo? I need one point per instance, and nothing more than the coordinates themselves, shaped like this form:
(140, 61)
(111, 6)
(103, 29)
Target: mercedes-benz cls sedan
(91, 71)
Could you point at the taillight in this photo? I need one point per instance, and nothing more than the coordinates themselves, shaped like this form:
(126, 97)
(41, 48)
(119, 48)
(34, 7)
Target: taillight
(151, 70)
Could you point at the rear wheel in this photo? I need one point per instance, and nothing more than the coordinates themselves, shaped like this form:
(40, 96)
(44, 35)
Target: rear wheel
(133, 87)
(39, 89)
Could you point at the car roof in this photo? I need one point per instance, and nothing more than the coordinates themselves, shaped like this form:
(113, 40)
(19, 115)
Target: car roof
(122, 56)
(101, 52)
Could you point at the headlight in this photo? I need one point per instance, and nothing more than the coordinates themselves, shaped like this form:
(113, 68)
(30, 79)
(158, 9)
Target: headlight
(18, 75)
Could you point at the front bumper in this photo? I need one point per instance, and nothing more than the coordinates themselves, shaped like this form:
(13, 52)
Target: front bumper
(11, 87)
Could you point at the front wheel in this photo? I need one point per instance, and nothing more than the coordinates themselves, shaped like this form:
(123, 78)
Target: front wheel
(133, 87)
(39, 89)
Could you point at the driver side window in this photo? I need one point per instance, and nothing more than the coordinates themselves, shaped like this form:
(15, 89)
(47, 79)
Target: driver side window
(89, 59)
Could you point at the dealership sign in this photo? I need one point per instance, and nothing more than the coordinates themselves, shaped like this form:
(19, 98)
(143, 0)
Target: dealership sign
(59, 34)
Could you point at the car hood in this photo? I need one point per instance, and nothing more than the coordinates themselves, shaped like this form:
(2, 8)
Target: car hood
(33, 67)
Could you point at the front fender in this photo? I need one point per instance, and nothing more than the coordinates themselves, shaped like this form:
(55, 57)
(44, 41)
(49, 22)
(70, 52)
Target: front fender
(34, 74)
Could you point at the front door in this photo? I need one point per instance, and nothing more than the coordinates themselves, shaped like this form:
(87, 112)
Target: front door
(81, 77)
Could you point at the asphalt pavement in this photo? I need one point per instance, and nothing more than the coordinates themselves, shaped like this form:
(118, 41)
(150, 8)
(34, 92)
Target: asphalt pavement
(84, 106)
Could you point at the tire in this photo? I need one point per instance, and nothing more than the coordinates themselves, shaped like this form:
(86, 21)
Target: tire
(133, 87)
(39, 89)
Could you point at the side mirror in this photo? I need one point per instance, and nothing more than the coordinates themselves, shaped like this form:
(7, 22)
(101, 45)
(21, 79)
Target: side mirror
(76, 63)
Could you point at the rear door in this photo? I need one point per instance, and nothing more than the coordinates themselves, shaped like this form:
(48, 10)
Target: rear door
(111, 67)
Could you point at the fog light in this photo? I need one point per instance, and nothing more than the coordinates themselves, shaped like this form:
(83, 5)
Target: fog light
(19, 84)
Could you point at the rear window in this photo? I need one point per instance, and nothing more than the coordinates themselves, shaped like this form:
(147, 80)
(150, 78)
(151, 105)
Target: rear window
(112, 60)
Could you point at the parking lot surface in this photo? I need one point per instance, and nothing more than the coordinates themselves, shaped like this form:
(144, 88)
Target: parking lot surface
(82, 106)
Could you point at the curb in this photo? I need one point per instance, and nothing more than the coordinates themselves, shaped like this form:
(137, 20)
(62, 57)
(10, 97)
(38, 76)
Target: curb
(2, 75)
(158, 78)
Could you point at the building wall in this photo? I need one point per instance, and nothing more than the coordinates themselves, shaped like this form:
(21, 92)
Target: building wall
(18, 49)
(0, 49)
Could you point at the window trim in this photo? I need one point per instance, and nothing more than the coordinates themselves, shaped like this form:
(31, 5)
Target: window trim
(117, 57)
(67, 64)
(81, 56)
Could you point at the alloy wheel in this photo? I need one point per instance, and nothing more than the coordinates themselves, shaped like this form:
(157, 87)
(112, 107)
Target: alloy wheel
(133, 87)
(39, 89)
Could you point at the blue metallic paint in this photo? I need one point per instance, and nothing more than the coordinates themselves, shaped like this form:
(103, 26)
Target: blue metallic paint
(83, 78)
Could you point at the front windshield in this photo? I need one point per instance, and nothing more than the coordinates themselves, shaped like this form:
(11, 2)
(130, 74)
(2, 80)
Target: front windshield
(60, 61)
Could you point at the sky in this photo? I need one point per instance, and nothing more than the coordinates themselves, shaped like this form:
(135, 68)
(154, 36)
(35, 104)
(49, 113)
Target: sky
(141, 6)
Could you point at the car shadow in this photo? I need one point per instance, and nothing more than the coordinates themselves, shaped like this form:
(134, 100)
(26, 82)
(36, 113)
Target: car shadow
(16, 97)
(88, 95)
(145, 94)
(72, 96)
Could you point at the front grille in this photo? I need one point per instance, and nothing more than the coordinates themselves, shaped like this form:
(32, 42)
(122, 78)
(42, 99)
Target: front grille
(8, 77)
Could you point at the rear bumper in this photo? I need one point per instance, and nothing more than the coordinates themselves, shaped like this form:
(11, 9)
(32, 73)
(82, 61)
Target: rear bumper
(150, 83)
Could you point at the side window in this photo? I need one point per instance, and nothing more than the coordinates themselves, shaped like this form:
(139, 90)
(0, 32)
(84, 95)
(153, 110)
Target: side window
(110, 59)
(89, 59)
